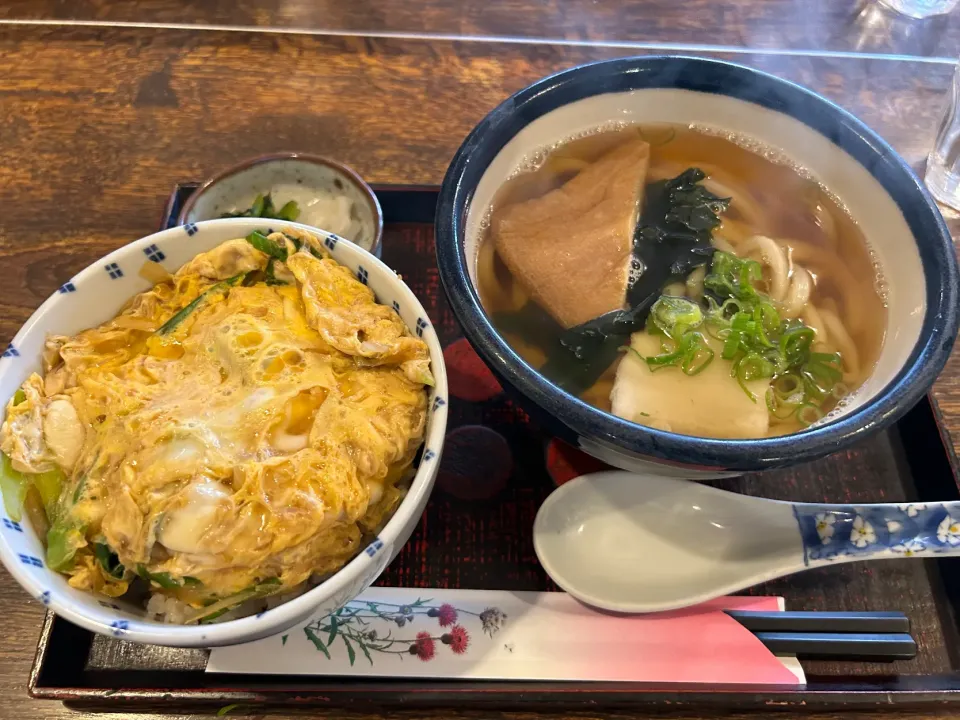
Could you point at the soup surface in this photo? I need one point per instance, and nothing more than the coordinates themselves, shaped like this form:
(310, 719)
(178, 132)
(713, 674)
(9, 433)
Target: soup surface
(684, 279)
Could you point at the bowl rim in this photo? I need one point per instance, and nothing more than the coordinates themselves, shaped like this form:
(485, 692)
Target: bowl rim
(250, 627)
(375, 209)
(933, 240)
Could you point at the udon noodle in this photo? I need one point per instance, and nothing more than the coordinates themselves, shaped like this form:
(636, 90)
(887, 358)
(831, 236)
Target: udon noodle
(564, 239)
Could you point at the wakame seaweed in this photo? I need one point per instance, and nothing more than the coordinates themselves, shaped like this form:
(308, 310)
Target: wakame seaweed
(671, 239)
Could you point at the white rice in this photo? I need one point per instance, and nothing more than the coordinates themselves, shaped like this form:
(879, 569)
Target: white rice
(168, 609)
(162, 608)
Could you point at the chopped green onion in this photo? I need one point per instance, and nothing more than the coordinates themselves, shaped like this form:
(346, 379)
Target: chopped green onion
(767, 315)
(14, 486)
(730, 308)
(49, 484)
(692, 355)
(760, 343)
(698, 358)
(63, 540)
(787, 385)
(783, 408)
(809, 413)
(667, 359)
(263, 207)
(217, 613)
(182, 314)
(270, 277)
(108, 560)
(81, 487)
(771, 399)
(267, 246)
(18, 397)
(754, 367)
(795, 343)
(826, 366)
(756, 340)
(223, 605)
(269, 210)
(673, 316)
(289, 211)
(731, 345)
(731, 277)
(163, 579)
(297, 242)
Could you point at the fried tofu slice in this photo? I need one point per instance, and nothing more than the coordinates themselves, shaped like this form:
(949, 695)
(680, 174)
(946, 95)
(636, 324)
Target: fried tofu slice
(570, 248)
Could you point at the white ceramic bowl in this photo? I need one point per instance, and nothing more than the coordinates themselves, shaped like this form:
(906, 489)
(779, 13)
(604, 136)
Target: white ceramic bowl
(95, 295)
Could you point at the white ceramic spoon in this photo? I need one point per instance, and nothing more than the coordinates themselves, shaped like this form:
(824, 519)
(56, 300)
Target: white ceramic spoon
(639, 543)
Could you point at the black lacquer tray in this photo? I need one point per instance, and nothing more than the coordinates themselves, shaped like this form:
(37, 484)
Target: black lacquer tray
(497, 468)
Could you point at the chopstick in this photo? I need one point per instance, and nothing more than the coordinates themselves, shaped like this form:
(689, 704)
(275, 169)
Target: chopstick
(876, 636)
(822, 622)
(884, 647)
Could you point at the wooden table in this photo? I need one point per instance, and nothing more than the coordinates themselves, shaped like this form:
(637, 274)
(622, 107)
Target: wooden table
(97, 124)
(799, 25)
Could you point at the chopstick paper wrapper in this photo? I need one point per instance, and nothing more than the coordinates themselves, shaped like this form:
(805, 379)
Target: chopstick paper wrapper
(496, 635)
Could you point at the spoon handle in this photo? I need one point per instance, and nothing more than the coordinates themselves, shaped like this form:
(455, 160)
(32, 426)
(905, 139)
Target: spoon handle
(841, 533)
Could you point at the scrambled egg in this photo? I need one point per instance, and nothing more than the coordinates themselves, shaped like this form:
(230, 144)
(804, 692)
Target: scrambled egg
(236, 428)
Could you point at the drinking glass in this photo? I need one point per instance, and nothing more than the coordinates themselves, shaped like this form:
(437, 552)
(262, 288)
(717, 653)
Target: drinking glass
(943, 163)
(921, 8)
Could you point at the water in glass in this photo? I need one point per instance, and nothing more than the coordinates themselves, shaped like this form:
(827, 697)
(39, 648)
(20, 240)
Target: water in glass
(943, 163)
(921, 8)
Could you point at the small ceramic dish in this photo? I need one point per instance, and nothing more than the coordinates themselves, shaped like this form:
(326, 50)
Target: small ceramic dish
(97, 294)
(329, 195)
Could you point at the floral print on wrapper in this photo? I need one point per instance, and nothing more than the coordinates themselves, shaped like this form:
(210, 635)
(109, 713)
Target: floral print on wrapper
(381, 629)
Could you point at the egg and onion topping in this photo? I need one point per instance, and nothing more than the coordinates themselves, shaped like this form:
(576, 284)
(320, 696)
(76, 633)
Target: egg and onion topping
(234, 432)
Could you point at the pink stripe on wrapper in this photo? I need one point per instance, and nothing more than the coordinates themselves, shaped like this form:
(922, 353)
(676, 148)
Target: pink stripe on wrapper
(696, 645)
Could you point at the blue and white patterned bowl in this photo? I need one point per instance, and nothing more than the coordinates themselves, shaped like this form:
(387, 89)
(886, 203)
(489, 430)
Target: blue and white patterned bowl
(95, 295)
(896, 213)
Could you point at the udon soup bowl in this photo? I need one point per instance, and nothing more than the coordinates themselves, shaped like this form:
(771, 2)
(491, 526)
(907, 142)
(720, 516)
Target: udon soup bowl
(897, 215)
(95, 295)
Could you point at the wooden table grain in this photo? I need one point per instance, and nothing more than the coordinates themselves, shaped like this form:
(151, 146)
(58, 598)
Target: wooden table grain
(819, 25)
(97, 124)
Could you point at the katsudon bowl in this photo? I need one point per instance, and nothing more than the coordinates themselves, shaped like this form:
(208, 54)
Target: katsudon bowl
(908, 261)
(94, 296)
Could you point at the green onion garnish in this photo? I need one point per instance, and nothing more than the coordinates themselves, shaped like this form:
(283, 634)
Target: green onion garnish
(267, 246)
(756, 340)
(263, 207)
(181, 314)
(108, 560)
